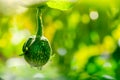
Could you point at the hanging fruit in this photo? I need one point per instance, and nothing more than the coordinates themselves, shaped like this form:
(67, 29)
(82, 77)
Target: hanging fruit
(36, 49)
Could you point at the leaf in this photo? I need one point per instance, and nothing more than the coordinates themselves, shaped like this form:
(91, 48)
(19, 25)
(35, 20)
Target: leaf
(61, 4)
(57, 4)
(32, 3)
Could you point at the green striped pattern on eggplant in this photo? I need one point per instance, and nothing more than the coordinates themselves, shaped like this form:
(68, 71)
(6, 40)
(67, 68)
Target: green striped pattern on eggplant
(37, 51)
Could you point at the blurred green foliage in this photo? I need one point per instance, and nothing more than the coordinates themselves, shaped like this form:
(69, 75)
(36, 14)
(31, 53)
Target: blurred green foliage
(85, 41)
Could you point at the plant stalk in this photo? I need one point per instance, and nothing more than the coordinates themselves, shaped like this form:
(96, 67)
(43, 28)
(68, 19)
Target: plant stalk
(39, 22)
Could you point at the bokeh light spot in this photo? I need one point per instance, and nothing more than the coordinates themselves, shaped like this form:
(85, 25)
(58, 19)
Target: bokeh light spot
(85, 19)
(62, 51)
(94, 15)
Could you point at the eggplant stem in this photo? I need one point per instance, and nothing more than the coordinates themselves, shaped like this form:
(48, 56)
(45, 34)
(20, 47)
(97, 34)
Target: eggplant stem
(39, 22)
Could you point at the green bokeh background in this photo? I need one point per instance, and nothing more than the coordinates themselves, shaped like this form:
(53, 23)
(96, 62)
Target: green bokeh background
(85, 41)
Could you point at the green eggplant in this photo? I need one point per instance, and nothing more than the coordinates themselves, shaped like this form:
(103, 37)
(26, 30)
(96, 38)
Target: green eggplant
(36, 49)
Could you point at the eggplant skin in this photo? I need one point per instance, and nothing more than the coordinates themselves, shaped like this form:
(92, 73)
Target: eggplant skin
(37, 51)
